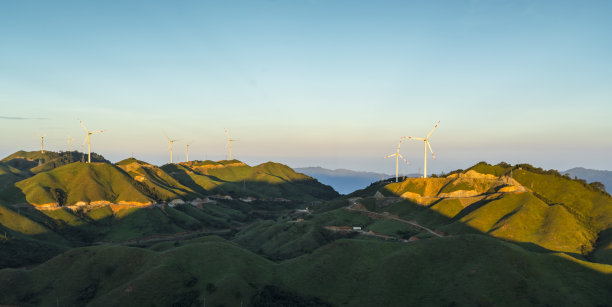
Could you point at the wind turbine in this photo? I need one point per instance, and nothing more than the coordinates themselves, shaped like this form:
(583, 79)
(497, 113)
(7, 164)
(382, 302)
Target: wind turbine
(88, 140)
(397, 155)
(70, 139)
(229, 143)
(426, 140)
(171, 142)
(42, 137)
(187, 145)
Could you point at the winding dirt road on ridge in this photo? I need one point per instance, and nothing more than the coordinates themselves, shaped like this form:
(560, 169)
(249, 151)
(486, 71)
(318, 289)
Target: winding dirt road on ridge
(355, 206)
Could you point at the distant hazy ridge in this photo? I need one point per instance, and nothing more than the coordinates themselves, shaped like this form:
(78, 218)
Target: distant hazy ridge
(591, 175)
(342, 180)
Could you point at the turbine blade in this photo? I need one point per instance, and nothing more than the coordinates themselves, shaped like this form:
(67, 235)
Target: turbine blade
(99, 131)
(432, 153)
(389, 156)
(226, 133)
(432, 130)
(420, 139)
(83, 125)
(404, 159)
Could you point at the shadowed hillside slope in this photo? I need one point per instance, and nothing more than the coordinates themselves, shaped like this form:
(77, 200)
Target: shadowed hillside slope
(443, 271)
(268, 180)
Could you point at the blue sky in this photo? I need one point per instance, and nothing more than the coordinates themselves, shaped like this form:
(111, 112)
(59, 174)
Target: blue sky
(312, 83)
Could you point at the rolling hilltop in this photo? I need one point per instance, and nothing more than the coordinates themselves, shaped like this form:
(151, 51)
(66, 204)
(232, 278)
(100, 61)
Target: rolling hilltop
(73, 203)
(132, 181)
(225, 233)
(516, 203)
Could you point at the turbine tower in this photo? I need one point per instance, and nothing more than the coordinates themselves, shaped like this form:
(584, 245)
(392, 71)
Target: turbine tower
(187, 145)
(70, 139)
(171, 142)
(42, 138)
(426, 140)
(88, 140)
(397, 156)
(229, 143)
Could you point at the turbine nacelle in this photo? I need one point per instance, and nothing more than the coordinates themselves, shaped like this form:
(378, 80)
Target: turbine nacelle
(170, 142)
(427, 146)
(229, 143)
(397, 155)
(88, 139)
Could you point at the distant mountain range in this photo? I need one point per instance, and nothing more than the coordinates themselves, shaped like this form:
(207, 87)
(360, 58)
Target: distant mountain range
(343, 180)
(591, 175)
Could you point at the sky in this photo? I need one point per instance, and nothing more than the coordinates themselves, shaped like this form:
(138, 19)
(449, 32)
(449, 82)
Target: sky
(312, 83)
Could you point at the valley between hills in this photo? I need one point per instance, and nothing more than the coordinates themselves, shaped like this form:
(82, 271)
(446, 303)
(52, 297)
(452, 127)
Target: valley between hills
(223, 233)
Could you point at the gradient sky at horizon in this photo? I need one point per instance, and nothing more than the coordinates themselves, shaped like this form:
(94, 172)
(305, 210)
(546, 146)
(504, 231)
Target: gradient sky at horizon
(312, 83)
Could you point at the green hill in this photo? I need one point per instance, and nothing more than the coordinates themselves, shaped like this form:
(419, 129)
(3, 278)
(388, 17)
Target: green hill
(264, 181)
(435, 272)
(75, 204)
(155, 180)
(516, 203)
(492, 235)
(9, 175)
(81, 182)
(36, 162)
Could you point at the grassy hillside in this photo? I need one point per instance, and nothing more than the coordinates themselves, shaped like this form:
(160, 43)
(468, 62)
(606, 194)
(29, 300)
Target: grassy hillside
(345, 272)
(81, 182)
(279, 241)
(24, 241)
(504, 246)
(445, 272)
(9, 175)
(36, 162)
(155, 180)
(268, 180)
(517, 203)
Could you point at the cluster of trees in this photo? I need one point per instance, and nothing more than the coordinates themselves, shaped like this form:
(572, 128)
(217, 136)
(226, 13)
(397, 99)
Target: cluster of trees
(593, 186)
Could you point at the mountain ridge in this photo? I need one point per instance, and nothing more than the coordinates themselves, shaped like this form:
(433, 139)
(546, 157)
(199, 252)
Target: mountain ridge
(592, 175)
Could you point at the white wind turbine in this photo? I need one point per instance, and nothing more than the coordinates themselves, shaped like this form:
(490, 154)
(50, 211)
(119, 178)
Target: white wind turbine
(397, 156)
(187, 147)
(229, 143)
(70, 139)
(88, 140)
(171, 141)
(426, 140)
(42, 138)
